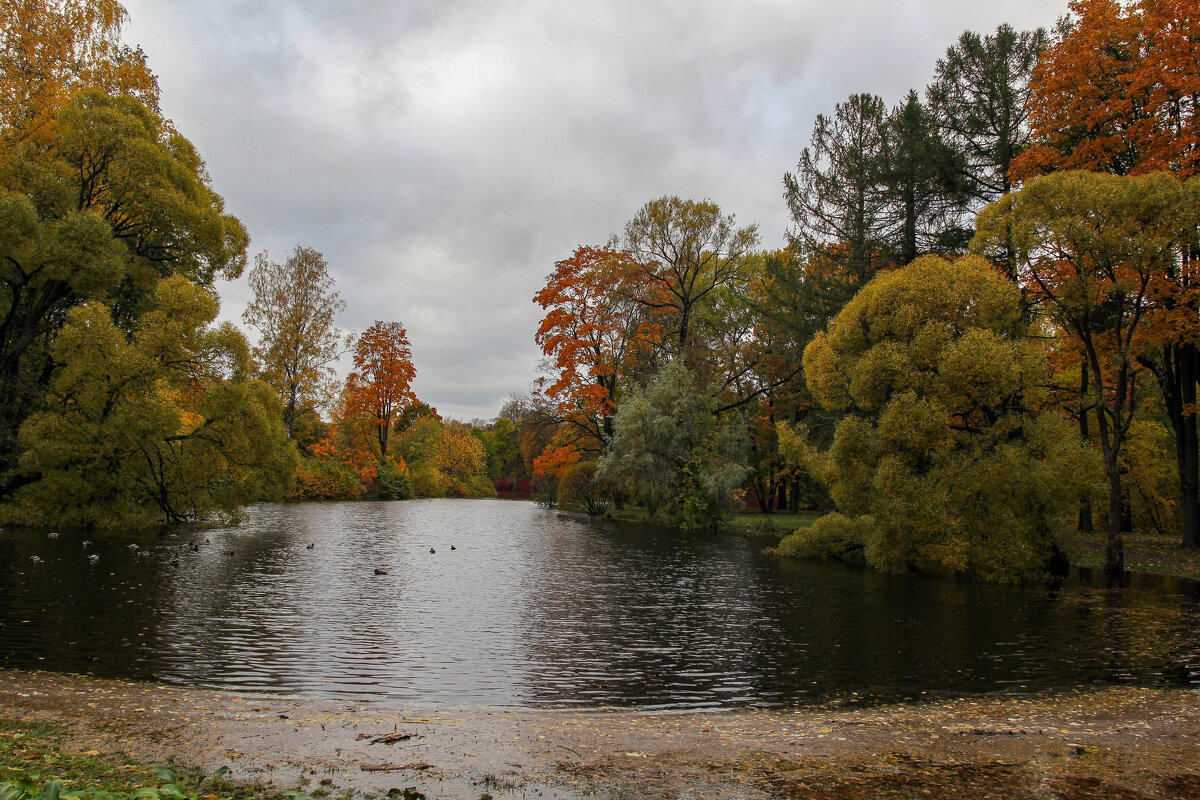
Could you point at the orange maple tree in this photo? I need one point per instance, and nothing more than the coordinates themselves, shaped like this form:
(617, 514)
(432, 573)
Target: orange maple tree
(555, 461)
(1118, 91)
(378, 389)
(594, 333)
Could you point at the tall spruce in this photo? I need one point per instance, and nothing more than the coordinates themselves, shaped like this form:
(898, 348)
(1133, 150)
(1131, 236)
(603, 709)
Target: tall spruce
(921, 177)
(978, 98)
(838, 198)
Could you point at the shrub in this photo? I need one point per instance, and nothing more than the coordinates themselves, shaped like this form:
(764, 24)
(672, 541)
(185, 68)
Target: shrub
(325, 479)
(580, 489)
(831, 536)
(392, 483)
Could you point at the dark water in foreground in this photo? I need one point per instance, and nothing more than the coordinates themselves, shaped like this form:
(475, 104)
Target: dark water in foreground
(533, 608)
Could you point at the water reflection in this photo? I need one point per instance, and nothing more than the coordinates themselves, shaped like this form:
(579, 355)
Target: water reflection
(536, 608)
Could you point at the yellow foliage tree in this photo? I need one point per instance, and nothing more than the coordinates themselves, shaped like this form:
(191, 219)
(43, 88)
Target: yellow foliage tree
(939, 464)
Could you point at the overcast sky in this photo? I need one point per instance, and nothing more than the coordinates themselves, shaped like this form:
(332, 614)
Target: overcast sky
(443, 155)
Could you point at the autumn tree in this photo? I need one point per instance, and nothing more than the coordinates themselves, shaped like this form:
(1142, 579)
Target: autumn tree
(378, 389)
(938, 463)
(683, 251)
(1091, 247)
(459, 458)
(105, 204)
(1117, 92)
(445, 459)
(163, 423)
(50, 49)
(293, 310)
(593, 332)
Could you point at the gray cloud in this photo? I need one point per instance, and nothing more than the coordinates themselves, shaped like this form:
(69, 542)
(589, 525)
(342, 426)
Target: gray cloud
(443, 155)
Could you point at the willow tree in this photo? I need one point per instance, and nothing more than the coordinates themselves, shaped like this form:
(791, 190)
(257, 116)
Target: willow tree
(103, 204)
(161, 423)
(939, 462)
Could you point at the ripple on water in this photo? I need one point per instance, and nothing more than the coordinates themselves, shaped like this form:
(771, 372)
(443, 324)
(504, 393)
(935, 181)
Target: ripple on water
(534, 608)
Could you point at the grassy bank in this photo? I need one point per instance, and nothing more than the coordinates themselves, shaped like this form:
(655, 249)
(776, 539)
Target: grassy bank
(37, 761)
(748, 523)
(770, 526)
(1144, 552)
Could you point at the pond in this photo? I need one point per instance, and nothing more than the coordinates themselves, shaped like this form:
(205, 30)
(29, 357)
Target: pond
(493, 602)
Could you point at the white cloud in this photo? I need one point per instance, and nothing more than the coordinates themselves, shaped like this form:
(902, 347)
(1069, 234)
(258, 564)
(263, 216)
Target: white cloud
(443, 155)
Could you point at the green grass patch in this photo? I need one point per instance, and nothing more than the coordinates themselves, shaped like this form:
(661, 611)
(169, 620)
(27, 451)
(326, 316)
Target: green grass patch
(1144, 552)
(38, 763)
(774, 526)
(748, 523)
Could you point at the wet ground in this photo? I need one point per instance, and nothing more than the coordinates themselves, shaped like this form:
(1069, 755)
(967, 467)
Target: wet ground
(1111, 742)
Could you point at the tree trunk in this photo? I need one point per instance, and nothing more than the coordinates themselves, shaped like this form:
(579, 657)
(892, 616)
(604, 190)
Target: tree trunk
(1177, 372)
(760, 494)
(1114, 548)
(794, 498)
(1186, 445)
(1085, 507)
(289, 410)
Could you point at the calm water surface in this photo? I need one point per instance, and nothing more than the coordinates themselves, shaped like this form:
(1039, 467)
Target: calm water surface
(534, 608)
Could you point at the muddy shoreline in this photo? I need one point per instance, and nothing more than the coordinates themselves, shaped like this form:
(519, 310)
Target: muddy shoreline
(1118, 742)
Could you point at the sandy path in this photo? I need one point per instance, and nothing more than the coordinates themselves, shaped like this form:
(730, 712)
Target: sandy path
(1121, 743)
